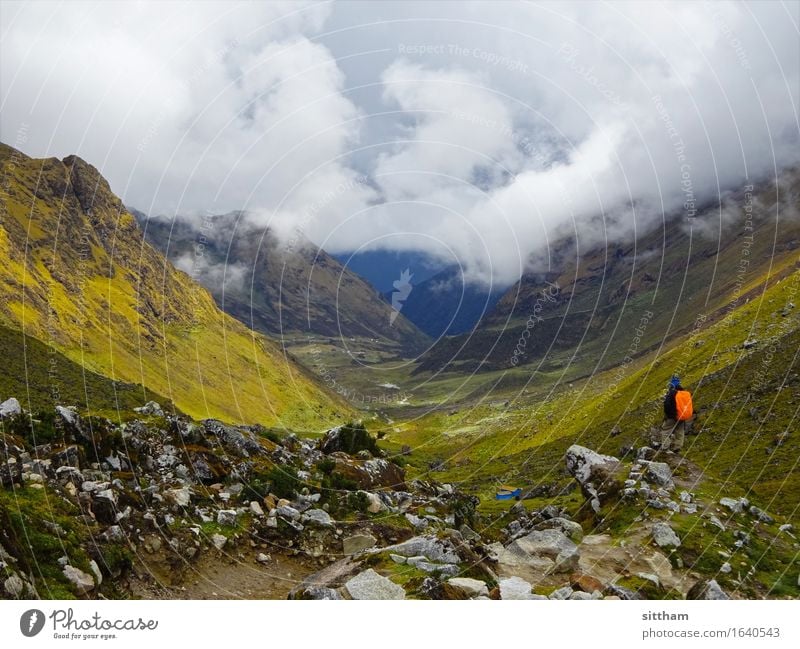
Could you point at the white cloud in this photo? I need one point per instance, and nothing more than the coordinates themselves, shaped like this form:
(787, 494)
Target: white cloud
(484, 133)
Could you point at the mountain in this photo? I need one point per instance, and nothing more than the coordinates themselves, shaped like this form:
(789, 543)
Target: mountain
(382, 268)
(79, 276)
(278, 288)
(576, 314)
(446, 305)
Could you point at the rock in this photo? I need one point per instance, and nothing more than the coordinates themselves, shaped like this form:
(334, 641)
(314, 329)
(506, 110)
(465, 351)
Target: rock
(218, 541)
(468, 533)
(150, 408)
(358, 543)
(240, 441)
(397, 558)
(14, 586)
(761, 515)
(659, 473)
(429, 547)
(332, 576)
(10, 408)
(554, 545)
(737, 506)
(81, 582)
(572, 529)
(585, 583)
(421, 563)
(580, 595)
(180, 497)
(104, 507)
(597, 475)
(318, 517)
(263, 558)
(517, 588)
(369, 474)
(255, 509)
(565, 592)
(418, 523)
(370, 585)
(664, 536)
(318, 593)
(465, 588)
(227, 517)
(621, 592)
(725, 568)
(375, 504)
(98, 576)
(288, 512)
(707, 590)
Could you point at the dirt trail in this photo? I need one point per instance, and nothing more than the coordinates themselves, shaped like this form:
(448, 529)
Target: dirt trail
(220, 577)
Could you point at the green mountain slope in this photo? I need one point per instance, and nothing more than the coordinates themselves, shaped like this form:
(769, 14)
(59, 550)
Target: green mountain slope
(78, 276)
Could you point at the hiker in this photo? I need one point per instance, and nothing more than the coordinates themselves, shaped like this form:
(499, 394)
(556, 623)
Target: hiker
(678, 413)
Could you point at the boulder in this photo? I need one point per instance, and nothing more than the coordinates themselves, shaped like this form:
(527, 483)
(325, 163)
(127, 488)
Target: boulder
(150, 408)
(599, 476)
(10, 408)
(552, 544)
(659, 473)
(180, 497)
(664, 536)
(227, 517)
(425, 546)
(465, 588)
(709, 589)
(358, 543)
(369, 474)
(736, 505)
(585, 583)
(239, 441)
(218, 541)
(330, 577)
(14, 587)
(517, 588)
(255, 508)
(81, 582)
(370, 585)
(572, 529)
(317, 517)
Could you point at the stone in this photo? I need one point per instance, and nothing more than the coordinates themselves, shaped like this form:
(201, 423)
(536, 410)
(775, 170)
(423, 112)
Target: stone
(707, 590)
(397, 558)
(98, 576)
(14, 586)
(573, 530)
(429, 547)
(725, 568)
(10, 408)
(263, 558)
(255, 508)
(659, 473)
(621, 592)
(218, 541)
(565, 592)
(288, 512)
(585, 583)
(465, 588)
(318, 517)
(517, 588)
(664, 536)
(761, 515)
(358, 543)
(81, 582)
(180, 497)
(369, 585)
(737, 506)
(580, 595)
(596, 474)
(554, 545)
(227, 517)
(150, 408)
(375, 505)
(318, 593)
(421, 563)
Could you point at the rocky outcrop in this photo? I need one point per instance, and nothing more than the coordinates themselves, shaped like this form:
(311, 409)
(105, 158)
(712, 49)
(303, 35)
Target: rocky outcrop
(597, 475)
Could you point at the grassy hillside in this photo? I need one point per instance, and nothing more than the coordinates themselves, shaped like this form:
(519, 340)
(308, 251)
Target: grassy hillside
(79, 277)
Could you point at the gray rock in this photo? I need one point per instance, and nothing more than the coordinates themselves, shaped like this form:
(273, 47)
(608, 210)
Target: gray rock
(421, 563)
(318, 517)
(659, 473)
(737, 506)
(761, 515)
(263, 558)
(150, 408)
(725, 568)
(358, 543)
(218, 541)
(565, 592)
(591, 470)
(288, 512)
(581, 595)
(14, 586)
(707, 590)
(227, 517)
(429, 547)
(664, 536)
(319, 593)
(370, 585)
(517, 588)
(470, 588)
(554, 545)
(181, 497)
(10, 408)
(81, 582)
(572, 529)
(255, 508)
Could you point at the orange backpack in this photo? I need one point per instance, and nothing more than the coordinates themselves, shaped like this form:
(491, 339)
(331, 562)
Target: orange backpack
(683, 405)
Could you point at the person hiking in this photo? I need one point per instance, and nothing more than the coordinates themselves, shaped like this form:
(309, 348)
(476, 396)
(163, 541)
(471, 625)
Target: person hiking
(678, 413)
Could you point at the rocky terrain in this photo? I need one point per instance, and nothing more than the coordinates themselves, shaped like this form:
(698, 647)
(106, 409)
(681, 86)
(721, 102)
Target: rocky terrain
(159, 505)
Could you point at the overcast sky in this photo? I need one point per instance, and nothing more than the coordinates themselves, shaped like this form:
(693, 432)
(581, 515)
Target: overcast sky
(475, 131)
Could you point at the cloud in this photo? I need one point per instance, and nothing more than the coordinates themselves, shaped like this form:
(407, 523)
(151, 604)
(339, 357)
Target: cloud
(475, 134)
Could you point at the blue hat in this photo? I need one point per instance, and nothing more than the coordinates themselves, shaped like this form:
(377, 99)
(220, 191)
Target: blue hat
(675, 381)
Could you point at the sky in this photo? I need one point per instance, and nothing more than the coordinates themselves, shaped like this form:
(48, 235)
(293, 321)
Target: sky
(478, 133)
